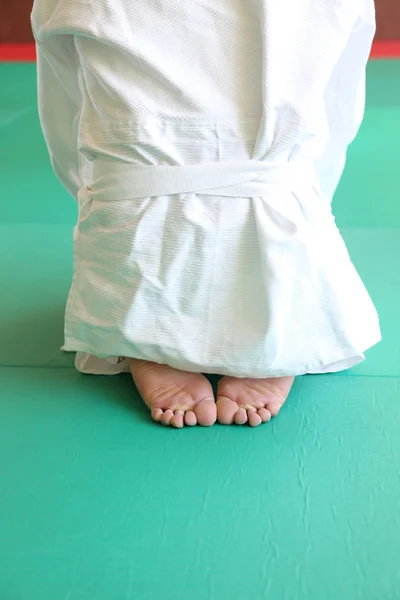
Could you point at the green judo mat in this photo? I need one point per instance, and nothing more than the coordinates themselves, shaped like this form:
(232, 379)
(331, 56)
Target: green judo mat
(99, 503)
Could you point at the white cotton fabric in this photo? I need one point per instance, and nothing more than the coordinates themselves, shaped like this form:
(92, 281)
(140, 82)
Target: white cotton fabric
(204, 141)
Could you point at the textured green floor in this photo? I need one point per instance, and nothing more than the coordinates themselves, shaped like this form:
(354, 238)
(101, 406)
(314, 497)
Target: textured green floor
(97, 503)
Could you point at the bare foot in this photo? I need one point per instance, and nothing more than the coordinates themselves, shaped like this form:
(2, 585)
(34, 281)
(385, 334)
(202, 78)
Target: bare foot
(175, 397)
(252, 401)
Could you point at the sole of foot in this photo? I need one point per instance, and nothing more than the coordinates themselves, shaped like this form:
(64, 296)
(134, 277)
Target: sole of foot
(252, 401)
(175, 398)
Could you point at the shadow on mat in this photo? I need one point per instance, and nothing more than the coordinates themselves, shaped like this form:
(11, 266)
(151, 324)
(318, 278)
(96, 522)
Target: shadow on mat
(34, 339)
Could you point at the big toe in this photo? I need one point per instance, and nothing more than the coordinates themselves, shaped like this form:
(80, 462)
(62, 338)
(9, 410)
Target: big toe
(206, 412)
(226, 410)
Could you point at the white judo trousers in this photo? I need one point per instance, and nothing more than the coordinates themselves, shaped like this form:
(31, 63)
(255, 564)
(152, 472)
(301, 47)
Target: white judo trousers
(204, 140)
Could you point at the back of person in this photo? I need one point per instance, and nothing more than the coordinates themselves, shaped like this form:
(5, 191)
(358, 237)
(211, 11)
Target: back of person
(204, 141)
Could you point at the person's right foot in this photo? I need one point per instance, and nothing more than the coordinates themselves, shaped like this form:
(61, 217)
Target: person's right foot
(175, 398)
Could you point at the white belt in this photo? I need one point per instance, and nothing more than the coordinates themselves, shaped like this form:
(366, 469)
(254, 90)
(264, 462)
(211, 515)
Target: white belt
(240, 179)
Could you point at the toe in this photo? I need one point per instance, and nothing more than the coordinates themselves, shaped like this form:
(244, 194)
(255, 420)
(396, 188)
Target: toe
(241, 417)
(227, 410)
(254, 418)
(177, 419)
(265, 415)
(206, 412)
(190, 418)
(166, 417)
(273, 408)
(156, 414)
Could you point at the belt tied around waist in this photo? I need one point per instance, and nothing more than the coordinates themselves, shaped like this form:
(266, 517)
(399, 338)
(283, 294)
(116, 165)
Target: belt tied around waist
(240, 179)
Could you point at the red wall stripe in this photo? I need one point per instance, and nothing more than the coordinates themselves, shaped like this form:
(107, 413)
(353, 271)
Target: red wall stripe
(17, 52)
(386, 49)
(26, 52)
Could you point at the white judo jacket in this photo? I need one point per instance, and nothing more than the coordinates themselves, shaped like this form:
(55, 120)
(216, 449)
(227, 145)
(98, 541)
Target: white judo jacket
(204, 140)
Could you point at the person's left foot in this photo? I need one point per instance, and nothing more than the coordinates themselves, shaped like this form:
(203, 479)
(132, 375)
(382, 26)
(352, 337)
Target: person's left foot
(252, 401)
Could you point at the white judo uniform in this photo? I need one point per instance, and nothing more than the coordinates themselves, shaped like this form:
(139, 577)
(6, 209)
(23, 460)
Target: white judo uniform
(204, 140)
